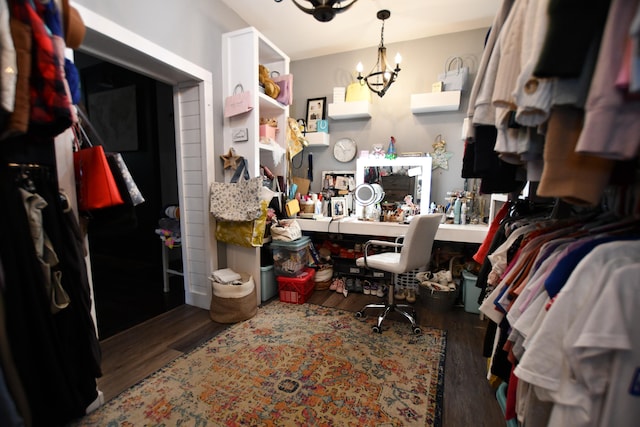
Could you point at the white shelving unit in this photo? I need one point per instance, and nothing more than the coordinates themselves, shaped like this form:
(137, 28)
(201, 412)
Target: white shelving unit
(349, 110)
(242, 51)
(318, 139)
(435, 101)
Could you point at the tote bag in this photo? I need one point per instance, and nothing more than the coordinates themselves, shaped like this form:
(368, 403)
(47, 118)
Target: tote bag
(456, 78)
(249, 234)
(285, 82)
(238, 200)
(128, 188)
(358, 92)
(97, 187)
(238, 103)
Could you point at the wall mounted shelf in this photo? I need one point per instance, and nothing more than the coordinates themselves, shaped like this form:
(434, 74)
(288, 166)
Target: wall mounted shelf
(318, 139)
(349, 110)
(435, 101)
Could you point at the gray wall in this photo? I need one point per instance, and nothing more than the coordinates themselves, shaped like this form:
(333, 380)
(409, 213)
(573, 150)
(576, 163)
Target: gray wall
(193, 30)
(422, 61)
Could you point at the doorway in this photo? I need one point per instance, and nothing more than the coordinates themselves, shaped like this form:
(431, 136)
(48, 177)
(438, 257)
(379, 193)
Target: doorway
(126, 258)
(192, 99)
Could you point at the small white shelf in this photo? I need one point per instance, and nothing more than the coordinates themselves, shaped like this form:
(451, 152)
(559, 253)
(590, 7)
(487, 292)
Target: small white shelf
(318, 139)
(268, 104)
(349, 110)
(435, 101)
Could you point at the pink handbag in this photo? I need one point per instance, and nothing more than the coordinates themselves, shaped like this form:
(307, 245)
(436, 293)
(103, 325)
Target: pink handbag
(238, 103)
(285, 82)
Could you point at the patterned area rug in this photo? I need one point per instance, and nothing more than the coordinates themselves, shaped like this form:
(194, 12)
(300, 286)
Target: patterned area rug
(293, 365)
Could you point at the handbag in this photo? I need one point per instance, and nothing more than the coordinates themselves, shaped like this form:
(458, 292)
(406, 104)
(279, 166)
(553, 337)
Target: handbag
(238, 200)
(249, 234)
(238, 103)
(455, 79)
(285, 82)
(286, 230)
(358, 92)
(129, 191)
(97, 187)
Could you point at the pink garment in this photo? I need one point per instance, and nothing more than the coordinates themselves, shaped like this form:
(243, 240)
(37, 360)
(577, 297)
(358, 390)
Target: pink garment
(624, 75)
(612, 128)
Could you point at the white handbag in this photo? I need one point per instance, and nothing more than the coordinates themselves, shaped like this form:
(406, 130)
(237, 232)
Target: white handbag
(286, 230)
(454, 79)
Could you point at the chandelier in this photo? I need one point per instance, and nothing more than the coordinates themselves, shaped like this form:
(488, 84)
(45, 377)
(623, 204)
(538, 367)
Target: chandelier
(323, 10)
(381, 76)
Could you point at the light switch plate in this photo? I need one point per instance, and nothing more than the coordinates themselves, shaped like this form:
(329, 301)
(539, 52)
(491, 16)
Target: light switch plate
(239, 134)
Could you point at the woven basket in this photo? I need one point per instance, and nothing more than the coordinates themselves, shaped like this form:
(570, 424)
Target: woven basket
(408, 279)
(323, 286)
(438, 300)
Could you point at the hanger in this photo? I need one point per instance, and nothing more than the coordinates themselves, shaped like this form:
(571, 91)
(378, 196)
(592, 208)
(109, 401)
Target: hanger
(23, 179)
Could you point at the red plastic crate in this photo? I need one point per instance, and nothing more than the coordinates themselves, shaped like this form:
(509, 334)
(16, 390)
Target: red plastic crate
(297, 290)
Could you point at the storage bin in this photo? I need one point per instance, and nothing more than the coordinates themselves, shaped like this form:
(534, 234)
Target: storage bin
(267, 131)
(290, 258)
(440, 301)
(297, 290)
(268, 285)
(233, 303)
(470, 292)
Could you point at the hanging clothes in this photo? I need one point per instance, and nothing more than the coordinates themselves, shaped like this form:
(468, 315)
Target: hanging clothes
(60, 360)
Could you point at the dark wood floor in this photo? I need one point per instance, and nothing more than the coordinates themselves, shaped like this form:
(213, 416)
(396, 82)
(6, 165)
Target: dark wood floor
(132, 355)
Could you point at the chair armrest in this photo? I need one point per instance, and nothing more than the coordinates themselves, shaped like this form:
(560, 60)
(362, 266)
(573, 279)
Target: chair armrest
(383, 243)
(378, 243)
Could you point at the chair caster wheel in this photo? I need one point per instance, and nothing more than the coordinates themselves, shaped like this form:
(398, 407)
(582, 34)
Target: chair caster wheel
(377, 329)
(417, 330)
(359, 314)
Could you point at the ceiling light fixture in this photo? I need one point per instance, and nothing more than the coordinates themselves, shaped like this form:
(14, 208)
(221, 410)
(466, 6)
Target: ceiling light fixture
(381, 76)
(323, 10)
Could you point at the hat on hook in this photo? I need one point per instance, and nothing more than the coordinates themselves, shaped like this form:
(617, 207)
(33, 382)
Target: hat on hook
(74, 29)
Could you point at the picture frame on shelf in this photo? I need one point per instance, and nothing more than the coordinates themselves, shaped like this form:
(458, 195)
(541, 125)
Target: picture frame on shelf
(338, 207)
(316, 110)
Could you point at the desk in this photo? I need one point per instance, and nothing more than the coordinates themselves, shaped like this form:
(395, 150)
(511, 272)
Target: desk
(446, 232)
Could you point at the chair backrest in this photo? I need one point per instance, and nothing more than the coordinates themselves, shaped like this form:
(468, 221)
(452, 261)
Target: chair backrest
(418, 241)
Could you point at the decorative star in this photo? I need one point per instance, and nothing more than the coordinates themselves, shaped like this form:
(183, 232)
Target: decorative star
(230, 159)
(440, 155)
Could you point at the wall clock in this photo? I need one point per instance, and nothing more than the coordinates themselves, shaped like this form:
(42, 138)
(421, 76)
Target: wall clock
(345, 150)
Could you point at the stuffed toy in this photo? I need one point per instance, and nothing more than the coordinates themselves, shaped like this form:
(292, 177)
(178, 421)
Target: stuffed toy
(271, 88)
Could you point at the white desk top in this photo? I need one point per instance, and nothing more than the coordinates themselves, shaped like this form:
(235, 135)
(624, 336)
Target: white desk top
(446, 232)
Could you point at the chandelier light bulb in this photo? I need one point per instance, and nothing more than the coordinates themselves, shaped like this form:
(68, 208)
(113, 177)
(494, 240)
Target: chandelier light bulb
(382, 76)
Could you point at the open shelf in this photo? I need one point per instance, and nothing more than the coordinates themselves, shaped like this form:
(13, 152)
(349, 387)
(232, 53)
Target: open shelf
(349, 110)
(318, 139)
(435, 101)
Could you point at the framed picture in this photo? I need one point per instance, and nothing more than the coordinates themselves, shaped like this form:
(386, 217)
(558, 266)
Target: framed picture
(316, 110)
(338, 207)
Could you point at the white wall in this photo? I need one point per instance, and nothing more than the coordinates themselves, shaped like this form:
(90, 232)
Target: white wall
(422, 60)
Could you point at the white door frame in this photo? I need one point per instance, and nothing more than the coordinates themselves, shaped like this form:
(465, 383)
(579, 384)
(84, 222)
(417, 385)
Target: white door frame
(193, 108)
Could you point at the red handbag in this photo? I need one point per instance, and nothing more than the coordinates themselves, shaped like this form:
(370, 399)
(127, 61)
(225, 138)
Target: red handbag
(97, 188)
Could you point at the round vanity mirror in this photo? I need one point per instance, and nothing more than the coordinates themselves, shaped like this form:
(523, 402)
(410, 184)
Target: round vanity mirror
(369, 194)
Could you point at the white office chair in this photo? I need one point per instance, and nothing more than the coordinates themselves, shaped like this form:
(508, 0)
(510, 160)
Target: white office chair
(414, 252)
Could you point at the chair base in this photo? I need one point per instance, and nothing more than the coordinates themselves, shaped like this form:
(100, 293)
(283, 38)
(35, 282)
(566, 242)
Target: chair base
(405, 309)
